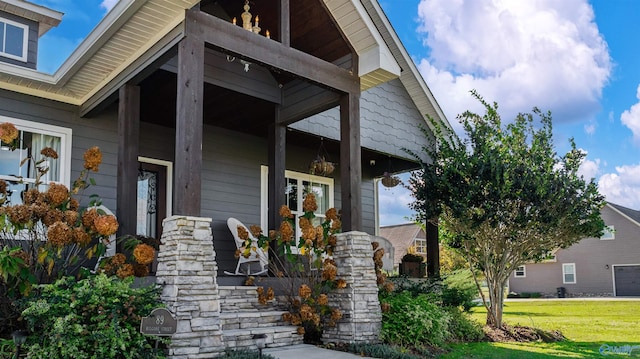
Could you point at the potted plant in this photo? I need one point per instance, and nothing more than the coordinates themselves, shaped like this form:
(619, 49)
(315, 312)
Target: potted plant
(413, 265)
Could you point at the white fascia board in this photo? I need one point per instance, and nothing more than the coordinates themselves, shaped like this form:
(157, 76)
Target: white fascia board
(35, 9)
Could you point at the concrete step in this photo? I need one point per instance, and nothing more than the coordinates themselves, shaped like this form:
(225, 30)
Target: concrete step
(254, 319)
(279, 336)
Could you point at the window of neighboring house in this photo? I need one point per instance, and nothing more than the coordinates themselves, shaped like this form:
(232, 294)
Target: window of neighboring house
(520, 272)
(14, 38)
(19, 173)
(568, 273)
(421, 246)
(608, 234)
(297, 186)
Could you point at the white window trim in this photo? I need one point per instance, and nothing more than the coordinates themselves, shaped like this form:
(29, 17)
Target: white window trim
(524, 272)
(611, 229)
(415, 244)
(564, 273)
(65, 135)
(25, 40)
(264, 192)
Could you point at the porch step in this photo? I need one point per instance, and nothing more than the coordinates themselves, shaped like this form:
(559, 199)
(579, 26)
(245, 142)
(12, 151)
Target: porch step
(251, 319)
(279, 336)
(241, 299)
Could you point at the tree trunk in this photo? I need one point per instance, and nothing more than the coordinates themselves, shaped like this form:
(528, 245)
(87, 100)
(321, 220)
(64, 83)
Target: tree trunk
(496, 298)
(433, 249)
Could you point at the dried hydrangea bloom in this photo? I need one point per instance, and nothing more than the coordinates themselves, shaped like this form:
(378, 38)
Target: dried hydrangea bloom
(21, 254)
(52, 216)
(74, 205)
(332, 241)
(285, 212)
(273, 234)
(323, 299)
(20, 214)
(92, 159)
(144, 253)
(81, 237)
(286, 316)
(341, 283)
(88, 219)
(242, 233)
(286, 231)
(59, 234)
(309, 235)
(300, 330)
(256, 231)
(319, 234)
(329, 272)
(270, 294)
(306, 313)
(118, 259)
(3, 187)
(49, 152)
(304, 291)
(331, 214)
(8, 132)
(106, 225)
(126, 270)
(57, 194)
(140, 270)
(386, 307)
(71, 217)
(389, 287)
(336, 224)
(336, 314)
(237, 253)
(309, 204)
(304, 223)
(378, 254)
(41, 210)
(375, 245)
(32, 196)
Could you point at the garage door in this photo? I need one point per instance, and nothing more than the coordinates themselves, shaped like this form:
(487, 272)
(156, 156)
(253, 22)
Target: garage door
(627, 280)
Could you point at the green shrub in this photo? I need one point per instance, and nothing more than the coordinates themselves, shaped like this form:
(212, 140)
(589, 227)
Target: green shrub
(459, 289)
(462, 328)
(97, 317)
(413, 320)
(385, 351)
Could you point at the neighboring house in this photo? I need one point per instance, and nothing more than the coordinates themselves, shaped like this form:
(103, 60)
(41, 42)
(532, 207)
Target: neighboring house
(404, 236)
(197, 116)
(609, 265)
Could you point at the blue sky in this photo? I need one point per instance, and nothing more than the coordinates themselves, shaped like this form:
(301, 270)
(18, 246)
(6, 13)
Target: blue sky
(576, 58)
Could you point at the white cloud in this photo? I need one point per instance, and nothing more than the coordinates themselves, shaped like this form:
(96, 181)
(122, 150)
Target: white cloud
(631, 118)
(521, 54)
(108, 4)
(394, 204)
(590, 128)
(622, 187)
(589, 169)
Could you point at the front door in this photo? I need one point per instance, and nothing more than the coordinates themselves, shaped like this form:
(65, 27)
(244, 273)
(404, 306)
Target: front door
(152, 206)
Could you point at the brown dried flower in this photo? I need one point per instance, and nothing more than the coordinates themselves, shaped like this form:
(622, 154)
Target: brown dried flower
(331, 214)
(309, 234)
(88, 219)
(329, 272)
(332, 241)
(59, 234)
(285, 212)
(323, 299)
(375, 245)
(242, 233)
(144, 253)
(3, 187)
(304, 291)
(125, 271)
(140, 270)
(50, 216)
(304, 223)
(256, 231)
(118, 260)
(309, 204)
(336, 225)
(57, 194)
(71, 217)
(49, 152)
(92, 159)
(300, 331)
(336, 314)
(106, 225)
(286, 231)
(341, 283)
(74, 204)
(8, 132)
(81, 237)
(20, 214)
(386, 307)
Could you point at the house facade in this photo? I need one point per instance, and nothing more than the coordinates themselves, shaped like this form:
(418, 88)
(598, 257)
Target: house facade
(196, 115)
(605, 266)
(403, 237)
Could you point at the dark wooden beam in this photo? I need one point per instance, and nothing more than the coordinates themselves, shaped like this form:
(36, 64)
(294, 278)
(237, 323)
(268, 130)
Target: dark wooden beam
(350, 162)
(128, 138)
(284, 11)
(302, 99)
(189, 109)
(258, 48)
(277, 165)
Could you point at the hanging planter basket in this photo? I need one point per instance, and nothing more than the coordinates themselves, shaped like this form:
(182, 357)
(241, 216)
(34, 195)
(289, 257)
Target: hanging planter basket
(321, 167)
(389, 180)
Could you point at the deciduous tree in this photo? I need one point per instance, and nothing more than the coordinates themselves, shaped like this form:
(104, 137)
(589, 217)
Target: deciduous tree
(507, 197)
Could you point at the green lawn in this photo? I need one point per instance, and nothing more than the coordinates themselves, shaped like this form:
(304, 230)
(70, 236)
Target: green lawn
(587, 324)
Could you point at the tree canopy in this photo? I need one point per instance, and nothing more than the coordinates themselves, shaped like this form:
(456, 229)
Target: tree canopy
(507, 197)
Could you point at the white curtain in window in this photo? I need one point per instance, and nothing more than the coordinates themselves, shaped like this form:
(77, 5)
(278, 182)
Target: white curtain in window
(38, 142)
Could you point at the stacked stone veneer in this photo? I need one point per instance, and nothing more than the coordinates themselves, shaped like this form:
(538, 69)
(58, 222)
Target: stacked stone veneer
(362, 317)
(187, 270)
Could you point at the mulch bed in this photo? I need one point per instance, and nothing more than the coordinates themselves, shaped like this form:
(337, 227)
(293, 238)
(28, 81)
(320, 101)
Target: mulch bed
(518, 333)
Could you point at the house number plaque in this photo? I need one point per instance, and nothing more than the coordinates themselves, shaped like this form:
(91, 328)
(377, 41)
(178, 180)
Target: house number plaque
(160, 323)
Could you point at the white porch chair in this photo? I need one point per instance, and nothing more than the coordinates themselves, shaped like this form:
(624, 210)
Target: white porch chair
(258, 255)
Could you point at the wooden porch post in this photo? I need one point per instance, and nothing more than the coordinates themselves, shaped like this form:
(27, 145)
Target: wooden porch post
(128, 136)
(277, 165)
(433, 250)
(350, 162)
(189, 109)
